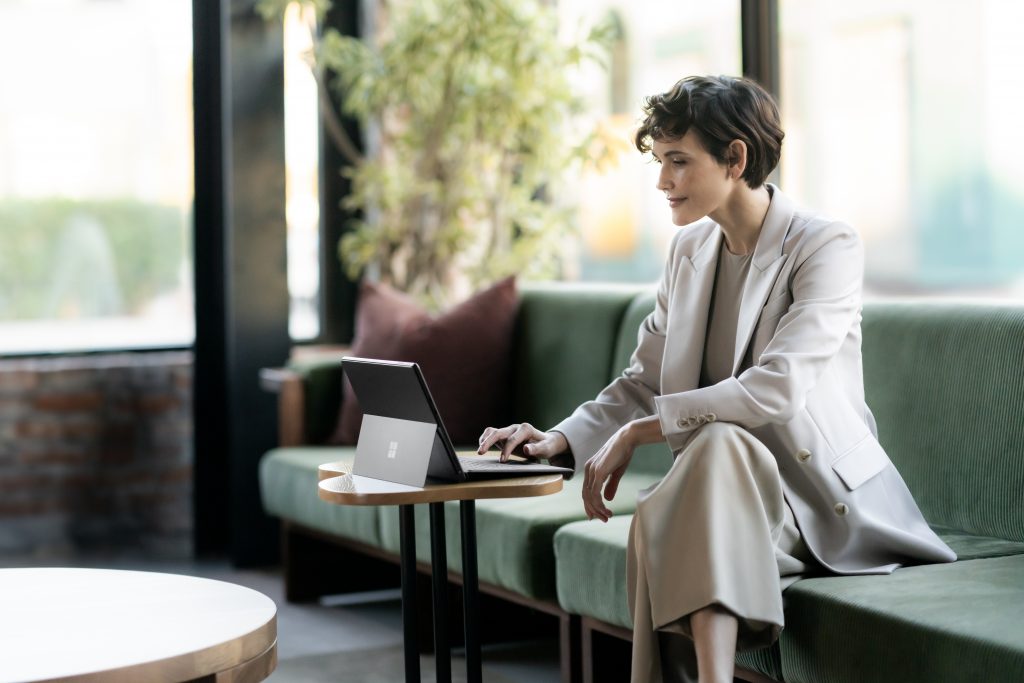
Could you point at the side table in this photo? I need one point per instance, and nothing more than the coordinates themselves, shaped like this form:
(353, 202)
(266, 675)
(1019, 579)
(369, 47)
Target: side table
(339, 487)
(117, 626)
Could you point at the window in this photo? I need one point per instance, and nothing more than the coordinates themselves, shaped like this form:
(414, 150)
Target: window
(96, 175)
(902, 118)
(624, 222)
(302, 167)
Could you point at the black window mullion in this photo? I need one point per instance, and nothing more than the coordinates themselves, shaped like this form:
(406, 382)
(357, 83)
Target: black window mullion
(759, 28)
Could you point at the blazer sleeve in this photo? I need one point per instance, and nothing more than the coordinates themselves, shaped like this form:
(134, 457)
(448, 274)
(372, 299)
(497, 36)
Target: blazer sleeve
(631, 395)
(826, 290)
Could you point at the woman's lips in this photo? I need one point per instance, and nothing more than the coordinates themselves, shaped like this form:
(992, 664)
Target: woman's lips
(675, 201)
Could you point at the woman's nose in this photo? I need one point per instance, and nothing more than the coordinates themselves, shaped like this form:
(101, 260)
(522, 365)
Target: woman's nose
(664, 179)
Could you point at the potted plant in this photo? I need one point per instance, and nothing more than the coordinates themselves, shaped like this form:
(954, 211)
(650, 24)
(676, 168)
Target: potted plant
(471, 105)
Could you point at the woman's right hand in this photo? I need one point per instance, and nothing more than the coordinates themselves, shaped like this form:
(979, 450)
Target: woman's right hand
(523, 439)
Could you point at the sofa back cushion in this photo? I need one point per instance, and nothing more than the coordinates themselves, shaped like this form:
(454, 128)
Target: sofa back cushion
(564, 341)
(946, 385)
(653, 458)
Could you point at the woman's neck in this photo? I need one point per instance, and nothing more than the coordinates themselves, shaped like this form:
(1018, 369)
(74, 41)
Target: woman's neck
(741, 217)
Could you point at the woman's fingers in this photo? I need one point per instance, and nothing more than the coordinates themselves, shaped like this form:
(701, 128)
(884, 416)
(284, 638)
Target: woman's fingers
(492, 436)
(592, 483)
(521, 438)
(543, 447)
(511, 441)
(588, 485)
(612, 487)
(523, 433)
(483, 442)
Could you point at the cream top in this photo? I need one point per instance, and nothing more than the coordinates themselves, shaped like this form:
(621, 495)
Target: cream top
(720, 341)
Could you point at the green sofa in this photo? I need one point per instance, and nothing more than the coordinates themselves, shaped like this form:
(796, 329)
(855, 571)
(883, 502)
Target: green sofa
(946, 384)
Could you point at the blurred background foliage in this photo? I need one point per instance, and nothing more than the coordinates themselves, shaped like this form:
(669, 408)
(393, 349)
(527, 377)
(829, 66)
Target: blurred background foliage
(469, 112)
(65, 258)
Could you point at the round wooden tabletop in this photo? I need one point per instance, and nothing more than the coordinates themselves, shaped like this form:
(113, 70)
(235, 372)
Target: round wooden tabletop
(340, 487)
(110, 625)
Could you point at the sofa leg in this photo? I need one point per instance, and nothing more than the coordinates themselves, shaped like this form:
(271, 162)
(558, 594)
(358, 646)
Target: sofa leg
(607, 651)
(569, 648)
(314, 566)
(587, 653)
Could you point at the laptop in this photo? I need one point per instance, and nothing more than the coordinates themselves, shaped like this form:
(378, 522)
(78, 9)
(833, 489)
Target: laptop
(403, 439)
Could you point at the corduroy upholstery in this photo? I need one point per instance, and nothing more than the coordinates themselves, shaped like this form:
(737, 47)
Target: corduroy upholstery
(946, 384)
(591, 573)
(515, 536)
(933, 623)
(287, 478)
(565, 342)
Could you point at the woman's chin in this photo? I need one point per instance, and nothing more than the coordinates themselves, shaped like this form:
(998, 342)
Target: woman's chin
(683, 219)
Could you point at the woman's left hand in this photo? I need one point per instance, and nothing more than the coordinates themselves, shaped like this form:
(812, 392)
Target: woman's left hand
(607, 465)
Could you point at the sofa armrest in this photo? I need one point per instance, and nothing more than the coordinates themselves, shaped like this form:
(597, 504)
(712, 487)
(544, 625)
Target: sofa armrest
(309, 393)
(291, 404)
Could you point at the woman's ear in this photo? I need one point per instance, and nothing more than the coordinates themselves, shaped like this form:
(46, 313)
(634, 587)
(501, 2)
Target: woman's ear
(736, 158)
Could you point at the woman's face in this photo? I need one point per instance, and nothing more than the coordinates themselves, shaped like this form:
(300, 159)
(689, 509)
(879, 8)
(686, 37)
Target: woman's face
(693, 181)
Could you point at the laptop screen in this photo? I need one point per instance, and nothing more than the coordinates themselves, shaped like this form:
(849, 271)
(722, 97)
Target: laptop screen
(389, 389)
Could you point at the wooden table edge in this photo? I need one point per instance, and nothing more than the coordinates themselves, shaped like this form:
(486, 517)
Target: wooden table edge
(329, 470)
(242, 651)
(330, 490)
(258, 668)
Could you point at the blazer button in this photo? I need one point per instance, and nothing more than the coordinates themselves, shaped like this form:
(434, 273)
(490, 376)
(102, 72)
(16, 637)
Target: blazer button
(712, 417)
(841, 509)
(803, 455)
(682, 422)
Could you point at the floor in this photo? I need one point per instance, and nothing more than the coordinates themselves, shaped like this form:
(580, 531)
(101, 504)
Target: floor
(318, 641)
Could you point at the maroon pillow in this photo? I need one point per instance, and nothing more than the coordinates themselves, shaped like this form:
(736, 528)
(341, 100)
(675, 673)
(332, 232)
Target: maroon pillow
(465, 355)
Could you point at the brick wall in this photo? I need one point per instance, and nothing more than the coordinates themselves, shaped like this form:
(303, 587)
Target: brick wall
(96, 455)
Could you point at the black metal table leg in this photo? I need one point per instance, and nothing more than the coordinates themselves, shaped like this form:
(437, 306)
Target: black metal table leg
(470, 591)
(407, 532)
(439, 564)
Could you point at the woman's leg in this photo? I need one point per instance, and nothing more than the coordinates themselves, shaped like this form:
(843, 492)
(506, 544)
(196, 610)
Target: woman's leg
(705, 538)
(714, 637)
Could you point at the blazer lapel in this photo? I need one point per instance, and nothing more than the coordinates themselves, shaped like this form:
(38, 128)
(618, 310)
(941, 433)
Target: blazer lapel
(764, 269)
(696, 280)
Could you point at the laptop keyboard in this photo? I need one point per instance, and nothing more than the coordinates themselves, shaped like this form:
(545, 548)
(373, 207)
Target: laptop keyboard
(481, 465)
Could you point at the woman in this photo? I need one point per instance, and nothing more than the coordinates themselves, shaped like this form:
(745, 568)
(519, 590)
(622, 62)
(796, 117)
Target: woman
(750, 369)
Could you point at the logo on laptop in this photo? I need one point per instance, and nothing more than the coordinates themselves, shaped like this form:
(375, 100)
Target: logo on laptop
(392, 450)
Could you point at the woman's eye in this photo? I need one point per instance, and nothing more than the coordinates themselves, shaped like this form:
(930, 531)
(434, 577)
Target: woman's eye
(679, 162)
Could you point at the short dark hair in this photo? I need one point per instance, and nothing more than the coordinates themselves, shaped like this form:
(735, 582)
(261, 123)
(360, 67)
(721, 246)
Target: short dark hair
(720, 109)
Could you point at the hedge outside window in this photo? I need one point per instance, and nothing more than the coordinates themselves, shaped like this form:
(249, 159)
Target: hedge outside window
(96, 179)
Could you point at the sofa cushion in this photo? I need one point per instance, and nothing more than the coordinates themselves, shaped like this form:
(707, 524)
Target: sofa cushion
(515, 547)
(598, 553)
(944, 382)
(465, 354)
(971, 547)
(933, 623)
(564, 342)
(591, 571)
(288, 485)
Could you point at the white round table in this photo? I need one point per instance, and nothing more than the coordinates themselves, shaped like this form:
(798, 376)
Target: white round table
(109, 625)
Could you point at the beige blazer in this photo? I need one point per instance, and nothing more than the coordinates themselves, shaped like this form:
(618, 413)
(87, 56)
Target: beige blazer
(803, 397)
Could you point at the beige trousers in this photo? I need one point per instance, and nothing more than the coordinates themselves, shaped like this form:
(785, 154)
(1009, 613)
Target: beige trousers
(715, 530)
